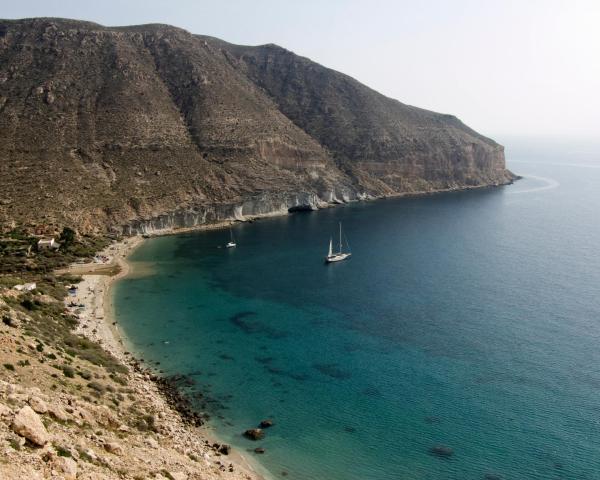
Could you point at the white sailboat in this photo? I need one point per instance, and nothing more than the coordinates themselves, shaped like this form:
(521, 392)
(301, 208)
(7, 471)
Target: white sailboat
(231, 243)
(340, 254)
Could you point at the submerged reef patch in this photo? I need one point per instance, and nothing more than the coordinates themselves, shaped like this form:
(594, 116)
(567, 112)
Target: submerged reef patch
(255, 326)
(332, 370)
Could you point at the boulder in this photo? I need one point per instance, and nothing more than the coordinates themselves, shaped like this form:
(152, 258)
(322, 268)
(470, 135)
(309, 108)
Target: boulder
(66, 467)
(114, 448)
(38, 405)
(254, 433)
(28, 424)
(91, 454)
(85, 416)
(224, 449)
(57, 412)
(266, 423)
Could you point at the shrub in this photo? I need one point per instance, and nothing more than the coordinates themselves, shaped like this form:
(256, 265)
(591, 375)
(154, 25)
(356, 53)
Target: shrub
(9, 366)
(69, 371)
(118, 379)
(28, 304)
(68, 278)
(85, 456)
(67, 237)
(146, 423)
(62, 451)
(14, 443)
(98, 387)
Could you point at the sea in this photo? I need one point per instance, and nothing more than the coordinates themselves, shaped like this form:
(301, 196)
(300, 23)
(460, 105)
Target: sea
(460, 341)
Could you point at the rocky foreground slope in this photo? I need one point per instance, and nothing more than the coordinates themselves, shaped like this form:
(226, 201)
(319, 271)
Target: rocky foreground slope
(69, 410)
(148, 127)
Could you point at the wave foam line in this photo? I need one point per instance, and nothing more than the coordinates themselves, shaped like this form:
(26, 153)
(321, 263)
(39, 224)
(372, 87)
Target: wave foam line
(550, 184)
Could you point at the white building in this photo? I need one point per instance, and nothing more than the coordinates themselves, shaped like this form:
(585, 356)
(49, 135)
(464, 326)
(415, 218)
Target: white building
(48, 244)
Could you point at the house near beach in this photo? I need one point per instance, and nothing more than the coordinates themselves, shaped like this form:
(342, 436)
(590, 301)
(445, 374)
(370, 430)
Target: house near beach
(48, 244)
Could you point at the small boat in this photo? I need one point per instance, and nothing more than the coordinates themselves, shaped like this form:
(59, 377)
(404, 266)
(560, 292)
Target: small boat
(231, 243)
(340, 254)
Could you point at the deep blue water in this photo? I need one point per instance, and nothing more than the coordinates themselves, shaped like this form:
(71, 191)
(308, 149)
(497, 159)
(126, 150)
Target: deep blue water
(470, 320)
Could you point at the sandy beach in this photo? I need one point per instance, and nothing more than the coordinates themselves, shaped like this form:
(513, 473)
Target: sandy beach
(93, 306)
(92, 303)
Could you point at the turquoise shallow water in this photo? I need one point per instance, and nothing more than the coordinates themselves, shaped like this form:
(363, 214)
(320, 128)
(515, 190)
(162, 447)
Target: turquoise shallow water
(470, 320)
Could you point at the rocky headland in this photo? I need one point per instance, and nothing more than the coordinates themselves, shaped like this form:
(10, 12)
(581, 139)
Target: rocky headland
(145, 128)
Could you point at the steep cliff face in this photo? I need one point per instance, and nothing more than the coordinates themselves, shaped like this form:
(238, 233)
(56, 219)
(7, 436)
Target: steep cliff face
(384, 144)
(104, 127)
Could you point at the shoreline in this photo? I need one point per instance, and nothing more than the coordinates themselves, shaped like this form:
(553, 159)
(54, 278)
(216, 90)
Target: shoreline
(252, 218)
(96, 316)
(98, 322)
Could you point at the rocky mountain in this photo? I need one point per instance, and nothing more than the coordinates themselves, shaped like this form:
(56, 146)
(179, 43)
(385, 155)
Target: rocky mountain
(148, 127)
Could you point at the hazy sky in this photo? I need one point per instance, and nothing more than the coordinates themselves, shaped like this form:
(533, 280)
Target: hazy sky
(529, 67)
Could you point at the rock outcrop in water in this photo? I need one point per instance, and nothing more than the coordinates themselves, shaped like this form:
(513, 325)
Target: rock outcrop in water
(254, 433)
(150, 127)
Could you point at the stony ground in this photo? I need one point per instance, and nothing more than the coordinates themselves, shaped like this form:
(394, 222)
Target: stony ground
(63, 417)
